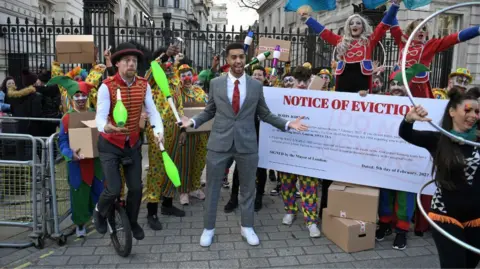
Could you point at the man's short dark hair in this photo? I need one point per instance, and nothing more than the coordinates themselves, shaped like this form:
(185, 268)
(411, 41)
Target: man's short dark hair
(302, 73)
(233, 46)
(259, 67)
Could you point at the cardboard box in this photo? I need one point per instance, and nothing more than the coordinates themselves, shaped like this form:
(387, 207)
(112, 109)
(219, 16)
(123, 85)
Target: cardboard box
(353, 202)
(349, 235)
(75, 49)
(194, 110)
(268, 44)
(83, 134)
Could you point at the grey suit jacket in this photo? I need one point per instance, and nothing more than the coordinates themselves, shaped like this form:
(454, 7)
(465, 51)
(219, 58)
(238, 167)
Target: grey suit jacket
(239, 129)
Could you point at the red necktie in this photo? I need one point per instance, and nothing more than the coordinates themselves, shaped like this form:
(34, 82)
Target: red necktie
(236, 98)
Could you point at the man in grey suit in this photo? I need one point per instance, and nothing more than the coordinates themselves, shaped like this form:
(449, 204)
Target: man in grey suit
(234, 100)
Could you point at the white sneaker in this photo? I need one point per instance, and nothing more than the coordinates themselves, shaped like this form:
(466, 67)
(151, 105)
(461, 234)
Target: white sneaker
(198, 194)
(184, 199)
(250, 235)
(207, 237)
(288, 219)
(81, 232)
(314, 231)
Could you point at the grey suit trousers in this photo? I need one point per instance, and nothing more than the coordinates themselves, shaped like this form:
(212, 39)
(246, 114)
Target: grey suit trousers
(217, 163)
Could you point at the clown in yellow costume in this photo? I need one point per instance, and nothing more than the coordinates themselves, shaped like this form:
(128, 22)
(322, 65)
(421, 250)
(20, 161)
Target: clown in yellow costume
(194, 150)
(461, 78)
(158, 184)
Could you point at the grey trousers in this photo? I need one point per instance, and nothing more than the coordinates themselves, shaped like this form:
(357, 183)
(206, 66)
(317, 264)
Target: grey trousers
(217, 163)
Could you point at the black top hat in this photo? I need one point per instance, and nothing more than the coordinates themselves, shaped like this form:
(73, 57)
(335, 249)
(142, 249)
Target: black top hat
(125, 49)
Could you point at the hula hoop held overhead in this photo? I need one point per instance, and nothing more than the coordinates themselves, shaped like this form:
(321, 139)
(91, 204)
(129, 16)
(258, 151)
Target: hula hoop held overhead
(440, 129)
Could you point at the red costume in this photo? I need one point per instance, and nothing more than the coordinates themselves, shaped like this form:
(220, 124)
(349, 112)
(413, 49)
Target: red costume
(424, 52)
(132, 98)
(359, 52)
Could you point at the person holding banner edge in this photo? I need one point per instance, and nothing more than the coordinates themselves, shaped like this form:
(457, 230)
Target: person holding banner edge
(355, 68)
(455, 203)
(234, 100)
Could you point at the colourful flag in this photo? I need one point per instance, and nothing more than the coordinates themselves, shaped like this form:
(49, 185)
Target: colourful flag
(373, 4)
(409, 4)
(413, 4)
(316, 5)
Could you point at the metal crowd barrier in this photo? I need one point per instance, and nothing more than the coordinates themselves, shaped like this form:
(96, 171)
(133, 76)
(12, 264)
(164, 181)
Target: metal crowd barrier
(59, 190)
(23, 193)
(21, 179)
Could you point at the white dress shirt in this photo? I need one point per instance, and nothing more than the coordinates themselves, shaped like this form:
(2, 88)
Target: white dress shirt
(103, 109)
(242, 86)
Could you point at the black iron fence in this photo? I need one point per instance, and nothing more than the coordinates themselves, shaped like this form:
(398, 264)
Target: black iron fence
(32, 43)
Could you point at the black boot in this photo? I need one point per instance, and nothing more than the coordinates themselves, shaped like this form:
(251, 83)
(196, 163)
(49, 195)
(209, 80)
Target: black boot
(400, 241)
(169, 209)
(231, 205)
(258, 202)
(383, 230)
(152, 217)
(271, 175)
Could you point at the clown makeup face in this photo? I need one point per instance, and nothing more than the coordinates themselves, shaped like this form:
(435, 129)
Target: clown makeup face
(465, 115)
(288, 82)
(421, 35)
(301, 84)
(186, 78)
(258, 75)
(356, 26)
(377, 85)
(396, 89)
(327, 80)
(80, 100)
(459, 81)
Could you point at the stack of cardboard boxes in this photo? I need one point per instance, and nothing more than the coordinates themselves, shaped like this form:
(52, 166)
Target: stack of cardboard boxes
(350, 219)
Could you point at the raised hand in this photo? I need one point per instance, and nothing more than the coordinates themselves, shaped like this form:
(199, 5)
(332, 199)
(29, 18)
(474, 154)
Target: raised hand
(298, 125)
(417, 113)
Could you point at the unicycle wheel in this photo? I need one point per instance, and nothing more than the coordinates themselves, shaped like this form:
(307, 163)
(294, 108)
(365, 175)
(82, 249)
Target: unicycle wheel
(120, 231)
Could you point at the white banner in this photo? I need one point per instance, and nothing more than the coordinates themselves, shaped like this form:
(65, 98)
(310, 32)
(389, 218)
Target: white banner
(351, 138)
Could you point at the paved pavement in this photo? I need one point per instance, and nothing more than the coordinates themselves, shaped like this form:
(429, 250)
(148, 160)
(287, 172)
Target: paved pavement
(177, 246)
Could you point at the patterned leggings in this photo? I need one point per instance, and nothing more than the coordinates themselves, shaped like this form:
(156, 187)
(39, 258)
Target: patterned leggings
(308, 193)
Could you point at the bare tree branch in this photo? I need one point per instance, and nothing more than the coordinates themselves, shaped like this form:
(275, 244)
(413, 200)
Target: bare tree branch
(252, 4)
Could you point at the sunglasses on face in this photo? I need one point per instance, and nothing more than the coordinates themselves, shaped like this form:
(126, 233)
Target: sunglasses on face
(325, 77)
(288, 80)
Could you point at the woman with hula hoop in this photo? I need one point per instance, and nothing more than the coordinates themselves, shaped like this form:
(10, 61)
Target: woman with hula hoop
(455, 205)
(423, 50)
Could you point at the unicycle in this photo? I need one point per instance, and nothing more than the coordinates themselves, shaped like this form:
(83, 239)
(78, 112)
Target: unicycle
(119, 228)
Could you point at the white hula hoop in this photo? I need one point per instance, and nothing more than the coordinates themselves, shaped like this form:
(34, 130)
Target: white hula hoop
(440, 230)
(404, 76)
(381, 45)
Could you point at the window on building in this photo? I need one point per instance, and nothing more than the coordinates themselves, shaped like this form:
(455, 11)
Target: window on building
(270, 22)
(447, 24)
(161, 3)
(176, 3)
